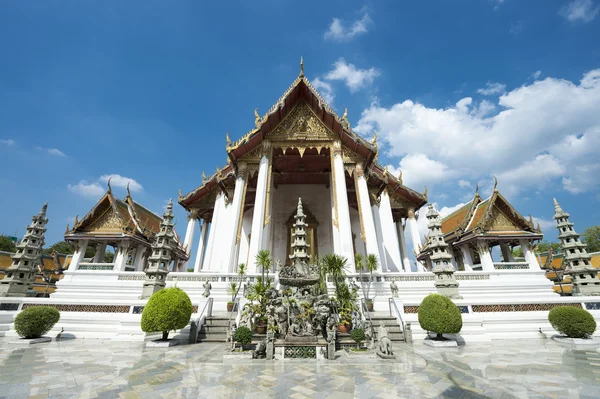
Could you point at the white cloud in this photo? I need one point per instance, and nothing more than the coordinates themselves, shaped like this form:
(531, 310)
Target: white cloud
(353, 77)
(342, 31)
(8, 142)
(492, 88)
(540, 133)
(464, 183)
(545, 224)
(122, 181)
(56, 151)
(580, 11)
(536, 75)
(418, 170)
(85, 189)
(325, 89)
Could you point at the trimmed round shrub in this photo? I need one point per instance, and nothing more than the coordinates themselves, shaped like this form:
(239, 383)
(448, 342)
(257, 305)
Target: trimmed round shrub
(440, 315)
(243, 335)
(167, 310)
(358, 335)
(36, 321)
(572, 322)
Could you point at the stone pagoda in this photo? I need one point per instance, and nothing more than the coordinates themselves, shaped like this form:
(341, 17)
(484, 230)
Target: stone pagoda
(441, 260)
(299, 273)
(20, 275)
(576, 260)
(165, 249)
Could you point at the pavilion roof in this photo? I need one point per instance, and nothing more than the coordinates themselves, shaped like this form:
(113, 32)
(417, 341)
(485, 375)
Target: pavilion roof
(113, 217)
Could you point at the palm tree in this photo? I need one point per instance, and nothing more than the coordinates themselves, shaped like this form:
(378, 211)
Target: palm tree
(358, 261)
(335, 267)
(264, 261)
(371, 266)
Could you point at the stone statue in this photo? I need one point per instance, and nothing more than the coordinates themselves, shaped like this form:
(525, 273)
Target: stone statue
(331, 329)
(246, 286)
(394, 289)
(385, 345)
(246, 318)
(207, 288)
(282, 320)
(295, 328)
(369, 335)
(353, 286)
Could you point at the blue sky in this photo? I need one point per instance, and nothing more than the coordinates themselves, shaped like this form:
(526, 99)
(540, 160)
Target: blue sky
(458, 91)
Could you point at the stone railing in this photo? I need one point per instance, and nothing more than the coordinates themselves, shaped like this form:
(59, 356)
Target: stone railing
(511, 265)
(213, 277)
(96, 266)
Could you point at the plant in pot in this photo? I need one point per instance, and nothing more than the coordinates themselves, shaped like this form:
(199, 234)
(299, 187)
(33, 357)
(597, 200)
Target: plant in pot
(258, 291)
(440, 315)
(234, 288)
(369, 265)
(358, 335)
(243, 336)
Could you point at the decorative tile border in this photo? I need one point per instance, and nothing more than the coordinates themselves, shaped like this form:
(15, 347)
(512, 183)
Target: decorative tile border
(592, 305)
(527, 307)
(511, 267)
(463, 309)
(471, 276)
(83, 308)
(137, 309)
(408, 278)
(96, 267)
(9, 307)
(132, 278)
(411, 309)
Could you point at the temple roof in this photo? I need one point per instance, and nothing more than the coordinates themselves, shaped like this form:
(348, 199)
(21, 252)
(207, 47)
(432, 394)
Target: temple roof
(300, 93)
(113, 217)
(491, 217)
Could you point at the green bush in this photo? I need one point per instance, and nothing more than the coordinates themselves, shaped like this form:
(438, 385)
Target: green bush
(440, 315)
(36, 321)
(168, 309)
(358, 335)
(243, 335)
(572, 322)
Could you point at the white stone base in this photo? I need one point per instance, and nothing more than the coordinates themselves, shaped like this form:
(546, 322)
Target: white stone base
(448, 343)
(162, 344)
(235, 355)
(577, 343)
(32, 341)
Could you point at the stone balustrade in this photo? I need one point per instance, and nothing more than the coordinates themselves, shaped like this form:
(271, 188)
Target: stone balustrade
(511, 265)
(95, 266)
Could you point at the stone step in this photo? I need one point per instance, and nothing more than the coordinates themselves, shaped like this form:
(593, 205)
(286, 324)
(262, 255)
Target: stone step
(214, 329)
(217, 321)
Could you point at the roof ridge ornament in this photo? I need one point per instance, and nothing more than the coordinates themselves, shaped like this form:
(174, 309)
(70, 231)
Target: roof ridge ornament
(345, 122)
(477, 190)
(301, 67)
(495, 184)
(400, 177)
(108, 184)
(228, 140)
(204, 178)
(257, 119)
(128, 192)
(425, 193)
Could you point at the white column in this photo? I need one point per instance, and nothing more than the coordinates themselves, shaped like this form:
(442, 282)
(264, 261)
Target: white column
(236, 207)
(416, 238)
(529, 255)
(335, 233)
(209, 263)
(366, 214)
(467, 258)
(487, 263)
(389, 235)
(78, 255)
(506, 252)
(201, 246)
(258, 215)
(138, 262)
(383, 261)
(121, 256)
(100, 250)
(189, 233)
(402, 242)
(343, 211)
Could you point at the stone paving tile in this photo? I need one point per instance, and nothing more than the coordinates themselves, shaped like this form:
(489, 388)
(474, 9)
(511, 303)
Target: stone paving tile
(106, 369)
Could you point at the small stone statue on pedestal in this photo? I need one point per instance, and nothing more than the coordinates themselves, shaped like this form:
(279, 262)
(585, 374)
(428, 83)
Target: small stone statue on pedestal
(394, 289)
(384, 350)
(207, 287)
(331, 336)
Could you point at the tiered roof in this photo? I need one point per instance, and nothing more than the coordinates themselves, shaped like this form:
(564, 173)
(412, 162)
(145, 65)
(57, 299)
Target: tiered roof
(491, 217)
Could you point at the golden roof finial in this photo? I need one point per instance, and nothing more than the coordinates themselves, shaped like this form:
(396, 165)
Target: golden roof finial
(495, 184)
(256, 118)
(180, 194)
(374, 141)
(76, 220)
(476, 189)
(400, 177)
(108, 183)
(67, 229)
(204, 178)
(425, 192)
(228, 139)
(301, 67)
(531, 221)
(128, 192)
(386, 169)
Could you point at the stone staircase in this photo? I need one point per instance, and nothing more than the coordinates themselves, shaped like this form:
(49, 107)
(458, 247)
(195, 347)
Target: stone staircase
(395, 333)
(214, 328)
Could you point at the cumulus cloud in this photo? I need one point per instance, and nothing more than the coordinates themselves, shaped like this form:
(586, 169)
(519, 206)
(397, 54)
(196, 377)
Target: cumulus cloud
(85, 189)
(464, 183)
(122, 181)
(355, 78)
(536, 75)
(579, 11)
(492, 88)
(52, 151)
(8, 142)
(344, 31)
(325, 89)
(419, 170)
(544, 132)
(94, 189)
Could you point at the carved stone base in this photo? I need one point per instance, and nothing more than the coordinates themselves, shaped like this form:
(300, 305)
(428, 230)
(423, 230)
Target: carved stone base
(32, 341)
(291, 339)
(384, 356)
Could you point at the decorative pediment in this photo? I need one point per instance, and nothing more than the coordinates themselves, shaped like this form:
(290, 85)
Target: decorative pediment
(499, 221)
(302, 124)
(106, 222)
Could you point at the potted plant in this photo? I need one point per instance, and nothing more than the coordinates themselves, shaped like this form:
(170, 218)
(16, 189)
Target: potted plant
(370, 265)
(345, 322)
(440, 315)
(258, 291)
(358, 335)
(167, 310)
(234, 288)
(243, 336)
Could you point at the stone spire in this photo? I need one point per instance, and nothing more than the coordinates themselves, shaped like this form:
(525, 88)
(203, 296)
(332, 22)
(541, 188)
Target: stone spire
(160, 259)
(299, 244)
(20, 275)
(441, 260)
(576, 260)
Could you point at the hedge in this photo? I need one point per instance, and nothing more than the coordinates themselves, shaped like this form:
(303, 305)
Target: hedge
(572, 322)
(167, 310)
(440, 315)
(36, 321)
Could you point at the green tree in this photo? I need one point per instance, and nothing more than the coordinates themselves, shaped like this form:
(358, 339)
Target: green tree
(63, 247)
(591, 236)
(167, 310)
(6, 244)
(541, 247)
(264, 261)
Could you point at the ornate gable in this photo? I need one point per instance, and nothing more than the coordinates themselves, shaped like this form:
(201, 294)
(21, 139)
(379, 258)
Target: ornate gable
(499, 221)
(102, 219)
(301, 124)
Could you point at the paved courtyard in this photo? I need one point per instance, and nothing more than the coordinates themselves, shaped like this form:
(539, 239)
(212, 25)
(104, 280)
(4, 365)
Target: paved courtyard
(105, 369)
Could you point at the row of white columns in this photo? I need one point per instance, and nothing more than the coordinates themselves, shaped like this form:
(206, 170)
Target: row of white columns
(120, 260)
(485, 255)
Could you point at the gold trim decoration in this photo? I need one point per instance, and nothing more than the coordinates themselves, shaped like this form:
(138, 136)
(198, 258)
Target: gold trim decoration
(359, 173)
(336, 149)
(301, 124)
(242, 174)
(268, 152)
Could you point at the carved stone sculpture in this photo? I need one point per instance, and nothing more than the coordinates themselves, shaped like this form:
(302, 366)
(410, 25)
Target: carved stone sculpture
(394, 289)
(207, 287)
(384, 348)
